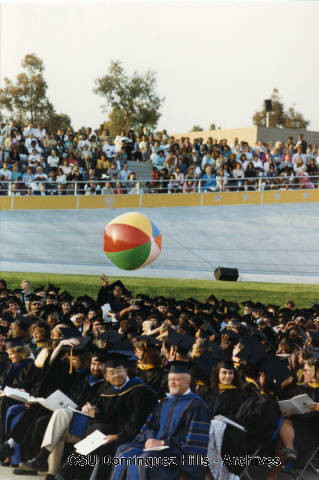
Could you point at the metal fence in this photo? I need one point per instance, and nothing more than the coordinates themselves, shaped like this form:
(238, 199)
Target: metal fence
(194, 185)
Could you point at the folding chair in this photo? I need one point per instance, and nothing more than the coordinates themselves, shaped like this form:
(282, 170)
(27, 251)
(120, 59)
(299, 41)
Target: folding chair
(297, 473)
(245, 473)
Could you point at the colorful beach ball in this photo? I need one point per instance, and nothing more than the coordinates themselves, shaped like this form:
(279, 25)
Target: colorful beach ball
(132, 241)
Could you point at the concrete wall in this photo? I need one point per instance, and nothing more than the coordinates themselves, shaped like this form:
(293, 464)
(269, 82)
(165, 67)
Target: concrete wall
(252, 134)
(248, 134)
(271, 134)
(158, 200)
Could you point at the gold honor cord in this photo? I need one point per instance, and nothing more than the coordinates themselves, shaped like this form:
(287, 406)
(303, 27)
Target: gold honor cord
(71, 358)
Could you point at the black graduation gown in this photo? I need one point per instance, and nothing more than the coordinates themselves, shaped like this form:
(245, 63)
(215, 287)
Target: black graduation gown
(260, 418)
(306, 426)
(36, 418)
(4, 362)
(153, 378)
(82, 392)
(226, 403)
(119, 412)
(10, 378)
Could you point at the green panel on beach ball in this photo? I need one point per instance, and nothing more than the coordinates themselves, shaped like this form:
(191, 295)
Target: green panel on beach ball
(130, 259)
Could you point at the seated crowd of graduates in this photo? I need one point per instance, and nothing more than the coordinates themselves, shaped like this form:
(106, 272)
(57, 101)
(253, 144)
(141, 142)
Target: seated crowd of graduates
(155, 374)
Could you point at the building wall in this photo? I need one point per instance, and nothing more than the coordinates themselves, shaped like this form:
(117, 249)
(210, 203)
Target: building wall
(252, 134)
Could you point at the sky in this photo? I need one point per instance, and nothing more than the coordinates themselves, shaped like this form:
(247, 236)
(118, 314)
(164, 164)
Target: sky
(215, 61)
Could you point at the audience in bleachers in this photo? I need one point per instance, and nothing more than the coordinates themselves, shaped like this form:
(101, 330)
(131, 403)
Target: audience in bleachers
(236, 167)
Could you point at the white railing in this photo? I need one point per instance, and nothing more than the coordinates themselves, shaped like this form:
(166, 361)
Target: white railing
(138, 187)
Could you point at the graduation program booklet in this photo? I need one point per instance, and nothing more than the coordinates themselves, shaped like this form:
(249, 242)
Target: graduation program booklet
(159, 448)
(79, 411)
(16, 394)
(296, 405)
(221, 418)
(55, 401)
(90, 443)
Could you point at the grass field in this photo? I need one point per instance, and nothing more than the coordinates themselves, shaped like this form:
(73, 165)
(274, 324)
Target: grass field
(303, 295)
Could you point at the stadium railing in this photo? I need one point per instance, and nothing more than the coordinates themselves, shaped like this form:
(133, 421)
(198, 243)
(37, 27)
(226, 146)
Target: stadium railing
(149, 186)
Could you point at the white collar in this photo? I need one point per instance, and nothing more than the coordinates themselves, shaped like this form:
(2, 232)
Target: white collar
(122, 386)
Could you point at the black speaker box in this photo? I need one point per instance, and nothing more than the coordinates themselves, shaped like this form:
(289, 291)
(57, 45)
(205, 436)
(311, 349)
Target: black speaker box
(268, 105)
(226, 274)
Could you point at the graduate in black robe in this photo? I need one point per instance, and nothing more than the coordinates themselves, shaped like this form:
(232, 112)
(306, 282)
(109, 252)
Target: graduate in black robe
(17, 353)
(306, 426)
(149, 364)
(120, 412)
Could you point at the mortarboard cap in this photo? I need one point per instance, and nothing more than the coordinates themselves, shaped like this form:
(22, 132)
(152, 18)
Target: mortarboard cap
(23, 322)
(275, 369)
(70, 332)
(3, 331)
(314, 351)
(78, 349)
(65, 297)
(86, 299)
(179, 367)
(110, 336)
(115, 358)
(13, 299)
(39, 291)
(7, 317)
(253, 350)
(34, 298)
(99, 353)
(183, 341)
(314, 337)
(217, 351)
(46, 310)
(149, 340)
(203, 366)
(15, 342)
(233, 336)
(51, 288)
(248, 303)
(208, 329)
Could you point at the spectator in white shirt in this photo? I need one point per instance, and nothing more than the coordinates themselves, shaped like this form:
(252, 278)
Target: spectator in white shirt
(53, 160)
(84, 141)
(40, 176)
(124, 173)
(258, 164)
(5, 172)
(109, 148)
(60, 176)
(34, 157)
(40, 132)
(298, 155)
(28, 177)
(13, 191)
(31, 142)
(29, 130)
(207, 160)
(107, 189)
(67, 169)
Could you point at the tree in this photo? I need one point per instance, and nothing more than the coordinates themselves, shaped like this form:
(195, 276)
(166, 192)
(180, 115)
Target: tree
(56, 121)
(280, 117)
(26, 100)
(116, 122)
(131, 101)
(197, 128)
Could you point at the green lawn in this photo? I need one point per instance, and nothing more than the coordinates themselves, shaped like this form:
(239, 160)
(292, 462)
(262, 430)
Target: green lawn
(277, 293)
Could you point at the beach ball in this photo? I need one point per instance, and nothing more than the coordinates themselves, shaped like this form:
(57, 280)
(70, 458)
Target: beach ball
(132, 241)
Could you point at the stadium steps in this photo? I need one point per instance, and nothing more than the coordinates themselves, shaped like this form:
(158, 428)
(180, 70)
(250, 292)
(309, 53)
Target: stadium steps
(143, 170)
